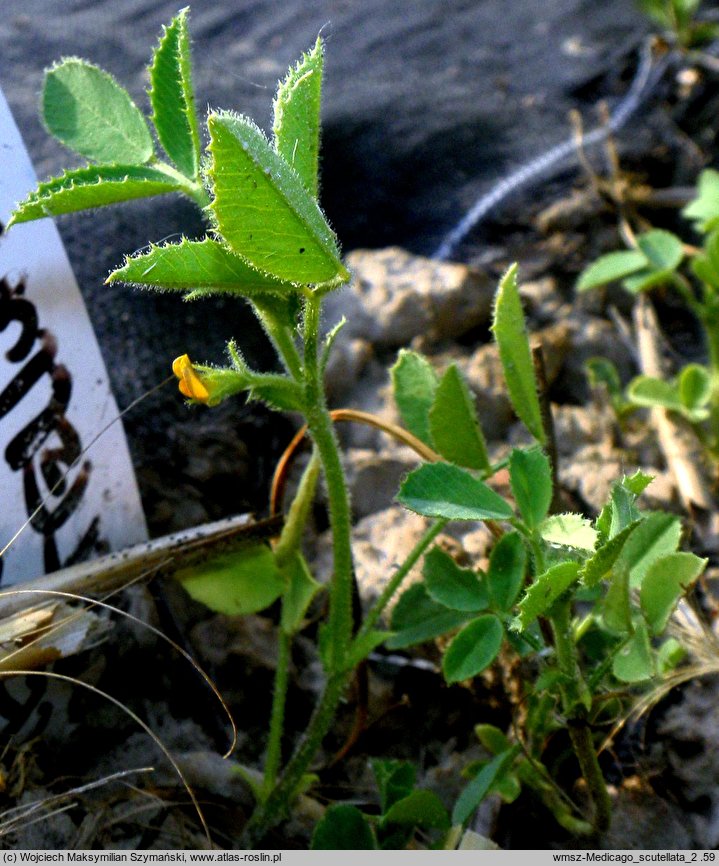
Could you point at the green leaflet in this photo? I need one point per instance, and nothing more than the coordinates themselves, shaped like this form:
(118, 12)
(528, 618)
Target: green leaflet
(611, 267)
(453, 423)
(454, 587)
(530, 475)
(545, 590)
(205, 266)
(297, 116)
(666, 581)
(343, 828)
(635, 661)
(301, 589)
(92, 186)
(507, 566)
(444, 490)
(657, 535)
(704, 209)
(688, 395)
(418, 809)
(492, 738)
(414, 383)
(262, 208)
(511, 335)
(649, 391)
(240, 583)
(663, 249)
(482, 784)
(569, 530)
(598, 566)
(664, 252)
(395, 780)
(417, 618)
(172, 99)
(87, 110)
(694, 386)
(473, 649)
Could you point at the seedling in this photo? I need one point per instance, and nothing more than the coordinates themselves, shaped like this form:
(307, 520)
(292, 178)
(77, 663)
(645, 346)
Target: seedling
(269, 242)
(660, 258)
(624, 566)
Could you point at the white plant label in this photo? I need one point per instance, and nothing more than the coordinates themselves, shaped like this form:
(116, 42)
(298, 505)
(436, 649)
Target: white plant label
(55, 399)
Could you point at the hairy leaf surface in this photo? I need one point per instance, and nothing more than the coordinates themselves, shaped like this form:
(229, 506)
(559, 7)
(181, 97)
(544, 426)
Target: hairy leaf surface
(444, 490)
(454, 425)
(297, 116)
(198, 267)
(172, 99)
(262, 208)
(92, 186)
(87, 110)
(510, 332)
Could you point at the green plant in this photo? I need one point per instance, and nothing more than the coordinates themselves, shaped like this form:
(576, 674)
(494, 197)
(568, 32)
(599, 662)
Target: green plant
(403, 809)
(661, 259)
(679, 18)
(270, 243)
(624, 569)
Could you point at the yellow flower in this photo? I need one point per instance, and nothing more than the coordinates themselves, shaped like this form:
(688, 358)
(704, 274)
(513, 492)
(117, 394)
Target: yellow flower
(190, 383)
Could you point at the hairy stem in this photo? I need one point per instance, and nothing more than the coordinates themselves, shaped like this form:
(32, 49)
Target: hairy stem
(319, 424)
(277, 803)
(277, 718)
(281, 338)
(574, 695)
